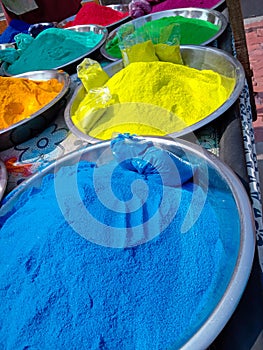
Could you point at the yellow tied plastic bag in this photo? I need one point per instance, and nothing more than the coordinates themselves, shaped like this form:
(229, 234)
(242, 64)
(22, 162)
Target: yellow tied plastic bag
(143, 42)
(167, 44)
(135, 46)
(93, 78)
(91, 74)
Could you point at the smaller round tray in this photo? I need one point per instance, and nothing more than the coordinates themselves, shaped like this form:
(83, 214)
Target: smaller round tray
(38, 121)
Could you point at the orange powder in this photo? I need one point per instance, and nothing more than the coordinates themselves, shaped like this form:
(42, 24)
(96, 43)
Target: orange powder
(21, 97)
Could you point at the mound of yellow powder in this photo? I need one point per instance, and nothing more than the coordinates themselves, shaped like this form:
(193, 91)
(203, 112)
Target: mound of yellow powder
(152, 98)
(20, 98)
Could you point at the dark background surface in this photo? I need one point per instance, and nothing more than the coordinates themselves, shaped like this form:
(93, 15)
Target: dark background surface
(252, 8)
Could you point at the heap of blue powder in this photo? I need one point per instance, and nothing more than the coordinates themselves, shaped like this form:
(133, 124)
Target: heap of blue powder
(15, 27)
(61, 291)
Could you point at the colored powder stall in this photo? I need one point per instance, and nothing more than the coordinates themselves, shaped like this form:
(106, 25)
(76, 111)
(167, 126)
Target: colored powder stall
(193, 31)
(151, 98)
(61, 289)
(92, 13)
(52, 48)
(20, 98)
(174, 4)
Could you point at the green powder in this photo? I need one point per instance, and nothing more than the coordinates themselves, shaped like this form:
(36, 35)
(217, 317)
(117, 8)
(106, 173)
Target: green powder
(193, 31)
(53, 48)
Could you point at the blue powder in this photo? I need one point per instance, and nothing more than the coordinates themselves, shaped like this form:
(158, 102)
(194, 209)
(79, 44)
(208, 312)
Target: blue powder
(60, 291)
(15, 27)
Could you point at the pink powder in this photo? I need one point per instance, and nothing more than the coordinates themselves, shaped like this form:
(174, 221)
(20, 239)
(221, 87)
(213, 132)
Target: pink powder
(93, 13)
(174, 4)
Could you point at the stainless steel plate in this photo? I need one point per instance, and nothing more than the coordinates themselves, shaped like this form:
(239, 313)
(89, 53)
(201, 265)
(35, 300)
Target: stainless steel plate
(211, 16)
(70, 67)
(199, 57)
(220, 177)
(37, 122)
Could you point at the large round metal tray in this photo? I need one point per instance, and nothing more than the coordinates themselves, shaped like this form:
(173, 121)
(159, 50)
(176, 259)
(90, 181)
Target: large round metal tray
(110, 27)
(199, 57)
(219, 177)
(70, 67)
(37, 122)
(211, 16)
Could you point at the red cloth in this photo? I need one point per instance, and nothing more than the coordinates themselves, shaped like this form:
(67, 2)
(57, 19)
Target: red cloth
(48, 11)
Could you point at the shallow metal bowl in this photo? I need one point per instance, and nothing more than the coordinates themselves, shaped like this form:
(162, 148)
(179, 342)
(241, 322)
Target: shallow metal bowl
(110, 27)
(211, 16)
(37, 122)
(71, 66)
(199, 57)
(237, 234)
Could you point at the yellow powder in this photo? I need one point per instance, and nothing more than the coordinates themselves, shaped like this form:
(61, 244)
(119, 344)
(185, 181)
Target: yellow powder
(184, 95)
(135, 118)
(20, 98)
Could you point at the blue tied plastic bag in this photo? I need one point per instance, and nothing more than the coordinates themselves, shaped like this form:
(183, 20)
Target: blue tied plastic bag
(142, 156)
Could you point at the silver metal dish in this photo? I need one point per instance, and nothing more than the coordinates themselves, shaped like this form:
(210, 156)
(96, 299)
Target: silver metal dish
(65, 21)
(37, 122)
(199, 57)
(221, 4)
(7, 46)
(3, 179)
(71, 66)
(232, 283)
(211, 16)
(110, 27)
